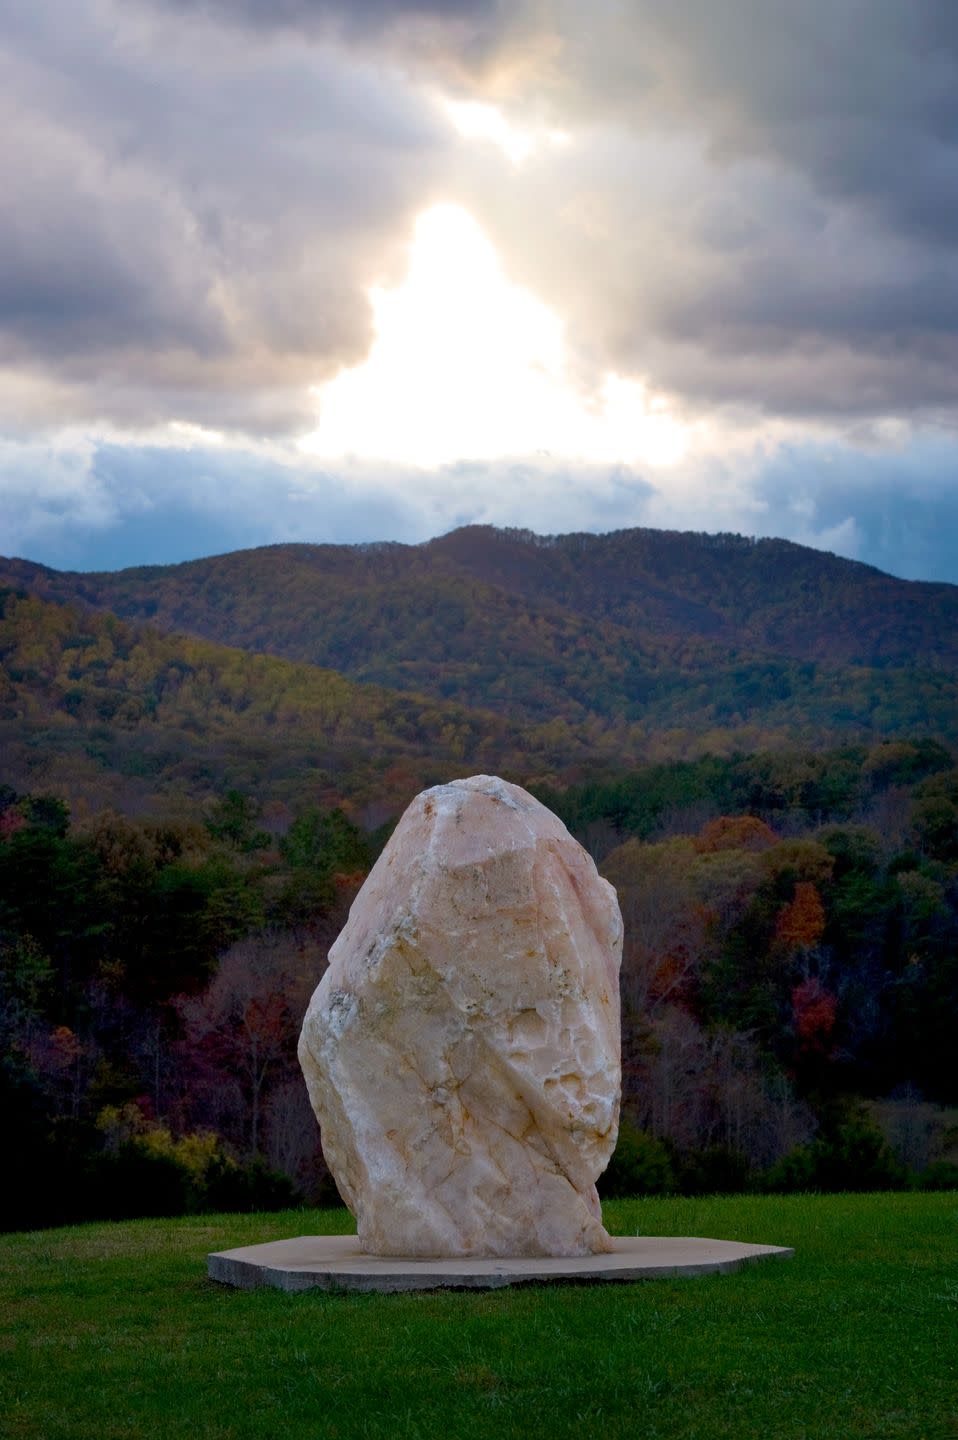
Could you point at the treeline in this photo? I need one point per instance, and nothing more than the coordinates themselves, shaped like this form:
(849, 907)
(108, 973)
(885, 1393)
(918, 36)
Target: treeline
(791, 957)
(152, 981)
(791, 949)
(790, 788)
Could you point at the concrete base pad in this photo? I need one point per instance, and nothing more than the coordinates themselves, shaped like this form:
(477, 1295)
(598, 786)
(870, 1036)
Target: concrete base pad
(335, 1262)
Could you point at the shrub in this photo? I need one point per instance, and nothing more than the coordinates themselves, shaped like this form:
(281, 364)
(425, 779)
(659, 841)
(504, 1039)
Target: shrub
(133, 1182)
(715, 1170)
(145, 1170)
(940, 1175)
(253, 1186)
(848, 1154)
(641, 1165)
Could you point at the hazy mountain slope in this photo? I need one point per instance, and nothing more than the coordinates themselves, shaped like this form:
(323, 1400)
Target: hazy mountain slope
(409, 617)
(96, 708)
(770, 595)
(570, 625)
(597, 649)
(106, 712)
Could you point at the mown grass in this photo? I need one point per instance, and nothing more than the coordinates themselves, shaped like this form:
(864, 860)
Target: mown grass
(111, 1331)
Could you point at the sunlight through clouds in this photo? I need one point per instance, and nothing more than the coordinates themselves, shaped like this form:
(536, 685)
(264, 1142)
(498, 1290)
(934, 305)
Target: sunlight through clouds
(475, 120)
(466, 365)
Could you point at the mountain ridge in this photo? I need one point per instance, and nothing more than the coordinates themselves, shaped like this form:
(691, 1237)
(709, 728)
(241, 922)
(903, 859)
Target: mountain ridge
(363, 673)
(581, 625)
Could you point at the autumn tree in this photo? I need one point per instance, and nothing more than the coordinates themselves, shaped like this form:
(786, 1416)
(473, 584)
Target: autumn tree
(800, 924)
(240, 1033)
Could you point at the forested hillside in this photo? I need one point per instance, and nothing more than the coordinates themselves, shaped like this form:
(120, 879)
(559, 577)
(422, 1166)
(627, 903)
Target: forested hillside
(638, 626)
(790, 915)
(640, 645)
(104, 712)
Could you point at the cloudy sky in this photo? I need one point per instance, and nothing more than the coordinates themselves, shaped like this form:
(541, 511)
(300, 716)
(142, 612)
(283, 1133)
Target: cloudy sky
(298, 269)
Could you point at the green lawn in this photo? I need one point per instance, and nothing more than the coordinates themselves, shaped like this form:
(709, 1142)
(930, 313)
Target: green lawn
(110, 1331)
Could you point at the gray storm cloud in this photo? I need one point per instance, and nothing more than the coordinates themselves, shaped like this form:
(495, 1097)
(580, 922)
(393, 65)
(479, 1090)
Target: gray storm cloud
(760, 210)
(754, 208)
(360, 16)
(190, 219)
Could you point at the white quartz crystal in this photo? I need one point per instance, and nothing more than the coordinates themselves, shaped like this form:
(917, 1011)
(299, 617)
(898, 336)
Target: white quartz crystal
(462, 1049)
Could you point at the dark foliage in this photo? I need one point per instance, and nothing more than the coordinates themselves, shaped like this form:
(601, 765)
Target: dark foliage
(848, 1154)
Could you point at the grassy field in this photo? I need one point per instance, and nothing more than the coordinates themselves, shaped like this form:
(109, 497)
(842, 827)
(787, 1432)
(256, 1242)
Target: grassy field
(111, 1331)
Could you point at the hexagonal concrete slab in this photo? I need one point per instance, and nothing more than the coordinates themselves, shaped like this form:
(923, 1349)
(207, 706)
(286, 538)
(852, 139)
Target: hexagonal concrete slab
(335, 1262)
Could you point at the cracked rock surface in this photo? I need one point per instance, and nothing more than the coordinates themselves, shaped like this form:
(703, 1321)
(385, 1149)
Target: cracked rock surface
(462, 1050)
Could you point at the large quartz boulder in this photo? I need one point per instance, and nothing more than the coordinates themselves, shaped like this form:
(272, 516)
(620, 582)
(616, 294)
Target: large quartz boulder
(462, 1049)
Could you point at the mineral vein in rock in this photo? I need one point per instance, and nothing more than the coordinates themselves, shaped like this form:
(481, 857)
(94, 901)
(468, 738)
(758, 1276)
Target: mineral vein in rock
(462, 1049)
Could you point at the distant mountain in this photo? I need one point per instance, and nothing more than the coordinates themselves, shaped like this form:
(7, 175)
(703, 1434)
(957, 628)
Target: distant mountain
(547, 654)
(573, 623)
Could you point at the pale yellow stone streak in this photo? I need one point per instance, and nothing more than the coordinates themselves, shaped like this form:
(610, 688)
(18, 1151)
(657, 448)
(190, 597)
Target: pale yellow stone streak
(462, 1050)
